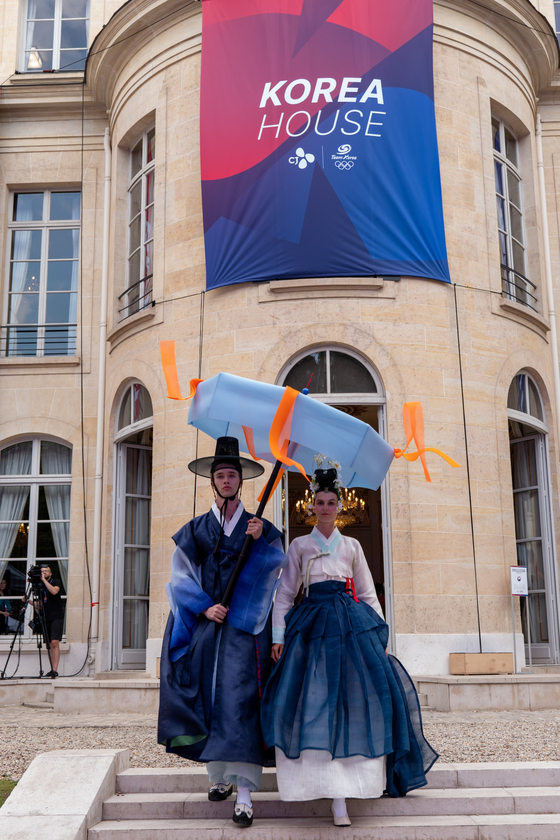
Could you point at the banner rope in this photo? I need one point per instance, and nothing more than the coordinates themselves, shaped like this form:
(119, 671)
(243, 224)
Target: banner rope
(468, 468)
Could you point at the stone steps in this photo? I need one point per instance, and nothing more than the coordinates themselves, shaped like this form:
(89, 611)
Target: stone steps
(516, 774)
(499, 801)
(486, 827)
(451, 802)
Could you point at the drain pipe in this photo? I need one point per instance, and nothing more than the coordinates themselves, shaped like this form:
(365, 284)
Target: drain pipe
(549, 288)
(100, 436)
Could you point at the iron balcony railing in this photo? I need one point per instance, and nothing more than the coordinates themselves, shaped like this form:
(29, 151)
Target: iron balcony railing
(517, 287)
(38, 339)
(138, 297)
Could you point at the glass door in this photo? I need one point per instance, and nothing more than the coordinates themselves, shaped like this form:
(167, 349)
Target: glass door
(534, 545)
(132, 555)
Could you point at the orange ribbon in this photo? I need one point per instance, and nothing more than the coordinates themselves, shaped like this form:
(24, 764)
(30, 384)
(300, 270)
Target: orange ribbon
(413, 422)
(169, 365)
(280, 429)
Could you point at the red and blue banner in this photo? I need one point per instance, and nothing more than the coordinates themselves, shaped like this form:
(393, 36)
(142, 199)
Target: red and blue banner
(318, 140)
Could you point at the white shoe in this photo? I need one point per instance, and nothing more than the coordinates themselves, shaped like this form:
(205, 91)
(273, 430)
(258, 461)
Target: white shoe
(343, 820)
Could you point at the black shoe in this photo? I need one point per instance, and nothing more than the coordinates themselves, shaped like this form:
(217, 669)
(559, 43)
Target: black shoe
(242, 815)
(219, 791)
(52, 674)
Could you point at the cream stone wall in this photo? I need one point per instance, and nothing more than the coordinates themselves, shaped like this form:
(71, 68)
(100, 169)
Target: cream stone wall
(144, 70)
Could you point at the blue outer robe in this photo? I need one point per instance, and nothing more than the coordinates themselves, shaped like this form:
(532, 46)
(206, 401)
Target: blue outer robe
(213, 675)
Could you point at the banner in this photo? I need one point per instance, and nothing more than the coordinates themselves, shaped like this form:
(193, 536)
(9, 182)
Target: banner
(318, 140)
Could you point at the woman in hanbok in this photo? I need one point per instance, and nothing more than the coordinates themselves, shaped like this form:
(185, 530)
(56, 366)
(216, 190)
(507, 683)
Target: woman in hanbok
(216, 660)
(343, 715)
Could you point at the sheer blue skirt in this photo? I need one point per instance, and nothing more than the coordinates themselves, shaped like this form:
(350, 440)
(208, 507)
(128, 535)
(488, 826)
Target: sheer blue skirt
(335, 689)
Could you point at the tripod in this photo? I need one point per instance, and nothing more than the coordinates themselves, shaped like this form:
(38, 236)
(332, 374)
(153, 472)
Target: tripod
(33, 593)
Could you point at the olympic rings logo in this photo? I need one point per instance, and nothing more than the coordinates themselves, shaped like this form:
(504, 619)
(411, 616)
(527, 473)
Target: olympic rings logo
(344, 164)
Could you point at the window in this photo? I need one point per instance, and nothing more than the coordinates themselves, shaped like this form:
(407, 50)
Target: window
(331, 372)
(515, 284)
(35, 483)
(524, 397)
(56, 35)
(44, 247)
(133, 495)
(140, 226)
(534, 533)
(557, 18)
(136, 406)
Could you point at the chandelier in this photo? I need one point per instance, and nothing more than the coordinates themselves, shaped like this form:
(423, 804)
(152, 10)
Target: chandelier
(355, 509)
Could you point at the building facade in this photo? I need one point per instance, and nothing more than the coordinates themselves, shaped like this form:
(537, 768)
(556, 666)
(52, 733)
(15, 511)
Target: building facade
(102, 249)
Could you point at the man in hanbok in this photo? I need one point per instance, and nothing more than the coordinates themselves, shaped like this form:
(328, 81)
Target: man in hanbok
(215, 660)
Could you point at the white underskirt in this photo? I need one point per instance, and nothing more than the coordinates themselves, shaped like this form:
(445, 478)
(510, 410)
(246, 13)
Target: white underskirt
(316, 775)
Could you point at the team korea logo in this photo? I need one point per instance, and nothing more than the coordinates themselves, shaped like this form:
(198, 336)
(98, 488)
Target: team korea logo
(344, 160)
(301, 159)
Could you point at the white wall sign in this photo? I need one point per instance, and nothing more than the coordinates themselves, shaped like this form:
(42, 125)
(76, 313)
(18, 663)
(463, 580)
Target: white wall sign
(519, 583)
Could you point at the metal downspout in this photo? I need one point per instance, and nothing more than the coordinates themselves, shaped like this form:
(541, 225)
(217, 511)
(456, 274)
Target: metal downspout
(100, 436)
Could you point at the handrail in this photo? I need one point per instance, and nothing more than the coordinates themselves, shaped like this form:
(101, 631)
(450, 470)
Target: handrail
(518, 273)
(129, 288)
(26, 337)
(523, 290)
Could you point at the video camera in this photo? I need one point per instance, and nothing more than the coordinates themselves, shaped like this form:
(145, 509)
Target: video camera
(34, 575)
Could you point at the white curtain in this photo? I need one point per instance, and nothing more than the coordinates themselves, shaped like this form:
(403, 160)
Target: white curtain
(31, 15)
(16, 460)
(21, 250)
(57, 460)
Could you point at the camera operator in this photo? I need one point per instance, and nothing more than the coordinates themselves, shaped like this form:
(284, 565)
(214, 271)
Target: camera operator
(54, 615)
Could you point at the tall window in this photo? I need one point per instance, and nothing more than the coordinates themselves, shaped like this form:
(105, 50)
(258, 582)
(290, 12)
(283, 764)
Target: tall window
(35, 483)
(533, 517)
(56, 35)
(133, 495)
(515, 284)
(44, 247)
(140, 226)
(557, 18)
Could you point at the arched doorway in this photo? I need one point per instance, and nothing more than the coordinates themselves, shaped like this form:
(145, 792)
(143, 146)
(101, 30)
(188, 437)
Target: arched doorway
(343, 379)
(132, 517)
(533, 517)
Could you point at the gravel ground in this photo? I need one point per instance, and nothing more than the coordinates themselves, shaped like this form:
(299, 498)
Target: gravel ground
(18, 747)
(473, 736)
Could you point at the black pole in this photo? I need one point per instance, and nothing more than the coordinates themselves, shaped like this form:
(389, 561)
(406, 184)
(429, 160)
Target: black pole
(248, 544)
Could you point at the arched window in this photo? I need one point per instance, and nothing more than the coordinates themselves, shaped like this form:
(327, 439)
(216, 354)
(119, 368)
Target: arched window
(133, 494)
(136, 406)
(524, 399)
(331, 371)
(533, 517)
(35, 486)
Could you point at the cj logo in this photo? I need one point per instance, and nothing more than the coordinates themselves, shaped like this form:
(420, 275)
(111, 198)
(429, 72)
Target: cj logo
(301, 160)
(344, 149)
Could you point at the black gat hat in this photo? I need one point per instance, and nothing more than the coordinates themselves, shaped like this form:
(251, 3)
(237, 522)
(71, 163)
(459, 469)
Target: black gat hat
(227, 453)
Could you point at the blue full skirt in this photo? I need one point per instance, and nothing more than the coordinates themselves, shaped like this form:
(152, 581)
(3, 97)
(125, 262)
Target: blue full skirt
(335, 689)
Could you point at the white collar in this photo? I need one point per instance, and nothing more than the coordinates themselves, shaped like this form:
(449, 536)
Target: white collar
(335, 535)
(229, 526)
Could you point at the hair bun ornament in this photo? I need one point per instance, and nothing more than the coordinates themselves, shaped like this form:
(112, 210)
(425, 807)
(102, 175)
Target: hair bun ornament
(326, 480)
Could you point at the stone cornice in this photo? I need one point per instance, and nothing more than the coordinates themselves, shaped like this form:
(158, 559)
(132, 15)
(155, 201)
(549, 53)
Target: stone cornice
(527, 31)
(133, 28)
